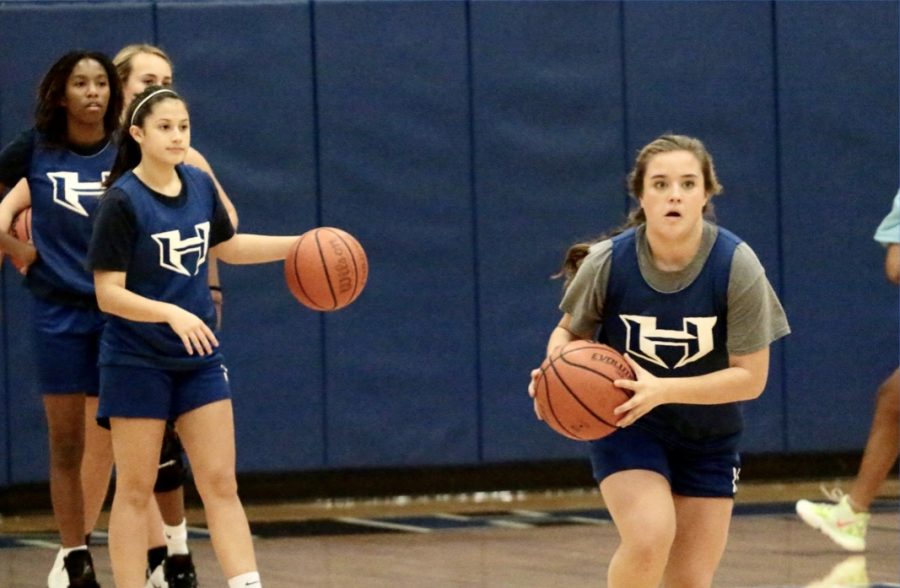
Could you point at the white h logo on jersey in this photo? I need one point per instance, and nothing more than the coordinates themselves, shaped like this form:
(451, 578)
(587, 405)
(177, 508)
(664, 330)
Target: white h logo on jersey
(172, 247)
(642, 338)
(67, 190)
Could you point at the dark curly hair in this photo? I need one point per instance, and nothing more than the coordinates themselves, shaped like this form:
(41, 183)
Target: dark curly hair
(50, 115)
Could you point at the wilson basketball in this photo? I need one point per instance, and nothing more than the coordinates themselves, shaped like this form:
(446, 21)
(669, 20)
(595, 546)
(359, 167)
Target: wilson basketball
(326, 269)
(21, 230)
(575, 393)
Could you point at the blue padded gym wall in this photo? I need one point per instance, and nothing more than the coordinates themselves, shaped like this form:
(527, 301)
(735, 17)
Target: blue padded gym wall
(838, 124)
(394, 148)
(548, 170)
(467, 144)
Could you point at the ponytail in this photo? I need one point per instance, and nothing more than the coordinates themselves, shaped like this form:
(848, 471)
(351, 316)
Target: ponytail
(576, 252)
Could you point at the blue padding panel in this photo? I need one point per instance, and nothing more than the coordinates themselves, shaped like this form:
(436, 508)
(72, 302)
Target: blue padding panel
(838, 75)
(28, 448)
(394, 141)
(44, 33)
(708, 72)
(252, 118)
(548, 128)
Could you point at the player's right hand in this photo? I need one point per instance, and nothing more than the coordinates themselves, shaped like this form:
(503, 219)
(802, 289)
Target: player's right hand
(194, 334)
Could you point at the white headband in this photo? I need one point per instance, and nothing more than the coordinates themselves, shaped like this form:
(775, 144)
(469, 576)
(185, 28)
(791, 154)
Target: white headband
(148, 97)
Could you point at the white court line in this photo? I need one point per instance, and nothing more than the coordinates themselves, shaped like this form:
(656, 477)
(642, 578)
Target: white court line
(383, 525)
(39, 543)
(453, 517)
(510, 524)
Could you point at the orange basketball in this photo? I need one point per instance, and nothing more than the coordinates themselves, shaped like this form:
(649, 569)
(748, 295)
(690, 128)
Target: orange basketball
(575, 393)
(326, 269)
(21, 230)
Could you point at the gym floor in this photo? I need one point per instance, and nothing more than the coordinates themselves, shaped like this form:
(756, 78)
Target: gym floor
(532, 539)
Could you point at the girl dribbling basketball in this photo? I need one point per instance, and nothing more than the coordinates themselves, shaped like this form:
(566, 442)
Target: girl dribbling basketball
(690, 305)
(155, 227)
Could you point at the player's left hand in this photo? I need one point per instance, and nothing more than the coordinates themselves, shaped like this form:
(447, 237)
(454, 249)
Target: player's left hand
(647, 390)
(534, 375)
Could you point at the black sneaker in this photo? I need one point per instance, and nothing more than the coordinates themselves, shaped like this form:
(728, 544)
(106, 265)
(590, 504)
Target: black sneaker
(180, 571)
(80, 568)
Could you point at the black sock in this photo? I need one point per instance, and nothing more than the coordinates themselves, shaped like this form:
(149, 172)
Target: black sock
(156, 556)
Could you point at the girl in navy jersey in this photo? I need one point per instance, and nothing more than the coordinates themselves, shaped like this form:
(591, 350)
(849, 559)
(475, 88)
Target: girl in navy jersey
(64, 160)
(159, 356)
(689, 304)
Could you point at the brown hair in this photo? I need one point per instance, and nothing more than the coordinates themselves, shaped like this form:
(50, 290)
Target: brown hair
(662, 144)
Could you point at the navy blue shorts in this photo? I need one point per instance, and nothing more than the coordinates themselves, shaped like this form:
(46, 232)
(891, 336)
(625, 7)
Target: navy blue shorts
(707, 468)
(145, 392)
(66, 343)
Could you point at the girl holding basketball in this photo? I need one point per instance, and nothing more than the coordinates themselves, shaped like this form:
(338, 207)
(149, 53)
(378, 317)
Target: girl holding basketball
(689, 305)
(156, 225)
(64, 159)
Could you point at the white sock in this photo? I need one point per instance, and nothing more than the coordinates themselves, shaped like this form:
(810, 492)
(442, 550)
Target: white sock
(250, 579)
(64, 551)
(176, 538)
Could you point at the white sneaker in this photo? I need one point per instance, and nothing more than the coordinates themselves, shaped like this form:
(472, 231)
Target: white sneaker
(58, 576)
(838, 521)
(157, 579)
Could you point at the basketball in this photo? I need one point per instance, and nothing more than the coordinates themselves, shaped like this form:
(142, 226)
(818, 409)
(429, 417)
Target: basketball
(575, 393)
(21, 230)
(326, 269)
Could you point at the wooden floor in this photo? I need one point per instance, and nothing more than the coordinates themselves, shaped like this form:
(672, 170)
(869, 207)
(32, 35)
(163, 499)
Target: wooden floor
(499, 539)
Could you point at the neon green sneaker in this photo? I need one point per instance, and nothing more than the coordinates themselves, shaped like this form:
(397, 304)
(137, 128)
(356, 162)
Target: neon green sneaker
(839, 521)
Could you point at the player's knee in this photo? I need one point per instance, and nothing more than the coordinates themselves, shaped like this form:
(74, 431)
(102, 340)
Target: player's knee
(133, 491)
(220, 484)
(66, 453)
(649, 548)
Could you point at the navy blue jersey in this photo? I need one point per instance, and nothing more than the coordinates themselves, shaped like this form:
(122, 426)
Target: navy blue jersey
(65, 186)
(676, 334)
(162, 243)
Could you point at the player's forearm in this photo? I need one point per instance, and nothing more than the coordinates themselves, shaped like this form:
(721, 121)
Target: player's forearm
(117, 300)
(732, 384)
(245, 249)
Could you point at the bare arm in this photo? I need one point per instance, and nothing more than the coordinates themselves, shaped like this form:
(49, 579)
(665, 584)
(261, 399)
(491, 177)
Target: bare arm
(113, 298)
(743, 379)
(562, 334)
(245, 249)
(892, 263)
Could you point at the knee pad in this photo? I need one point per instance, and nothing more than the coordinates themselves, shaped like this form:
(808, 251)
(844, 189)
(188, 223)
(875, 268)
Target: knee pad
(172, 471)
